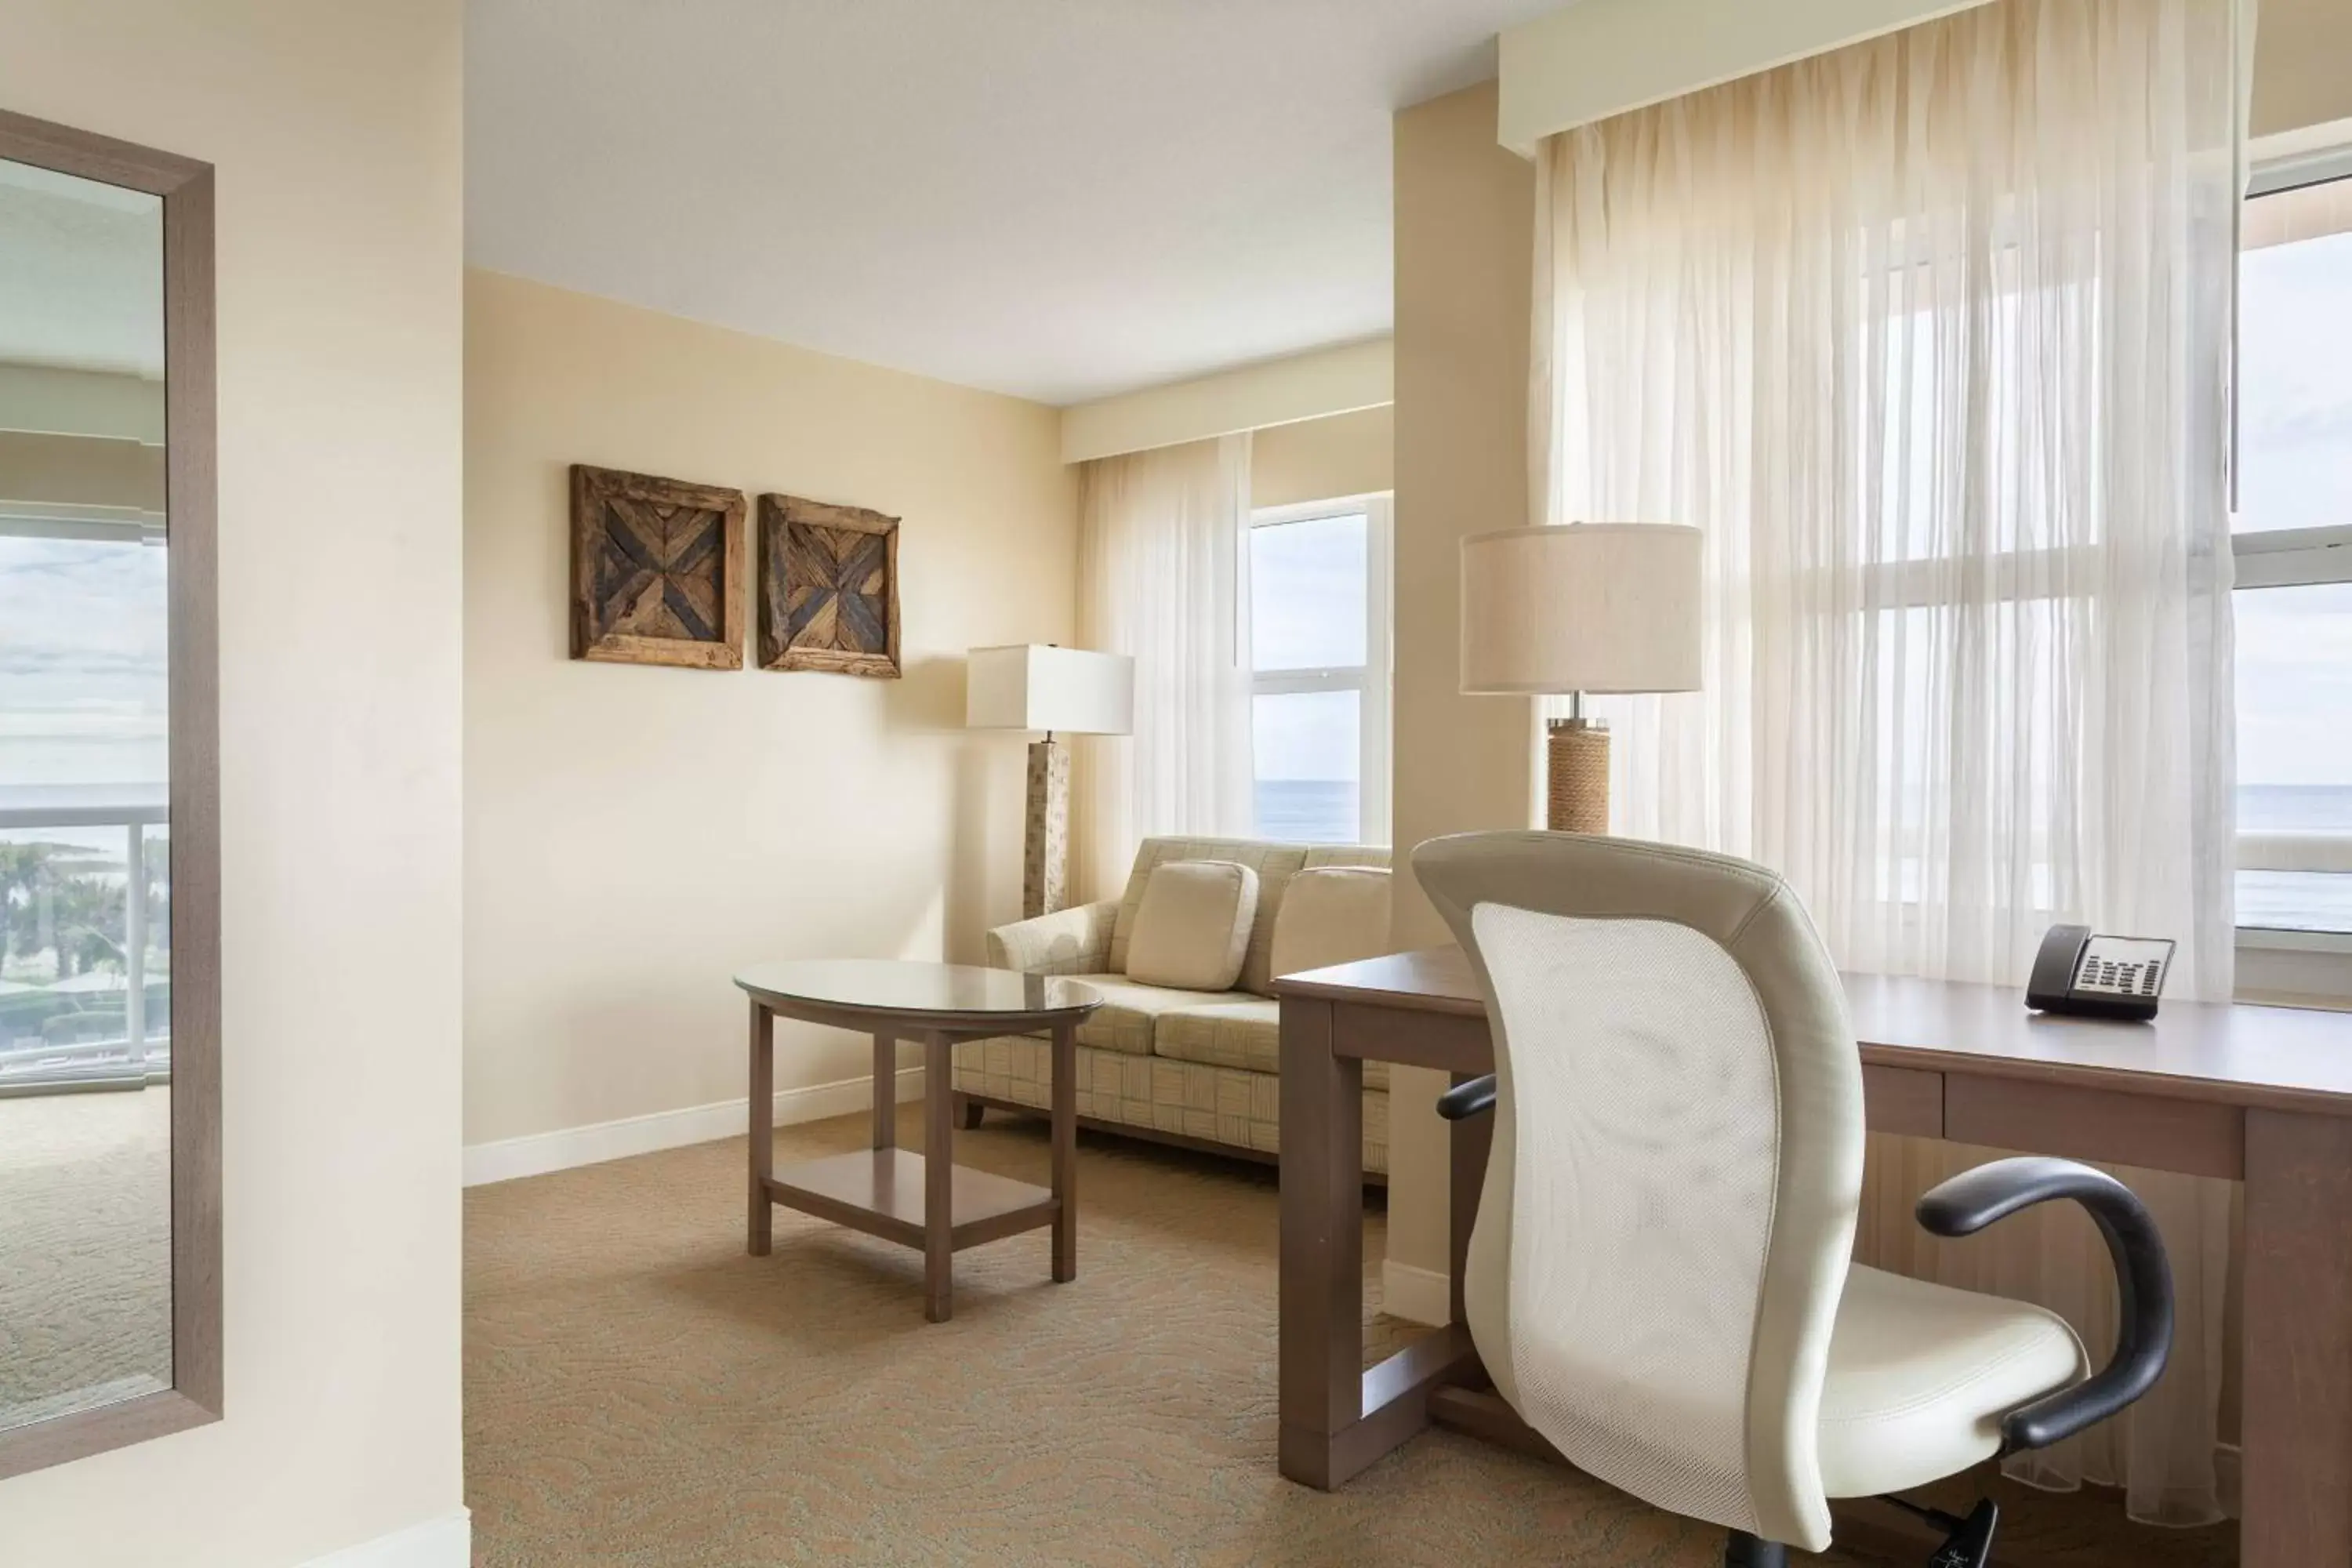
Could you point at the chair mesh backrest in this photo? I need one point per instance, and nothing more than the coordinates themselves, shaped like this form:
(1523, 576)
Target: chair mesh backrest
(1663, 1235)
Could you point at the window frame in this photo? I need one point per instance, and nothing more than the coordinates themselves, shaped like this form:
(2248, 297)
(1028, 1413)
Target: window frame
(1373, 679)
(2273, 960)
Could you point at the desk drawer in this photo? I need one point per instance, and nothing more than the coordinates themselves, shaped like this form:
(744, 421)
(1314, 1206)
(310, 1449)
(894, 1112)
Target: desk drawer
(1450, 1042)
(2192, 1135)
(1902, 1099)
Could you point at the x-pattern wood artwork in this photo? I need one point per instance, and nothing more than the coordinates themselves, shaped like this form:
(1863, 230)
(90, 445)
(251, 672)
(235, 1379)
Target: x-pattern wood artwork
(657, 570)
(828, 588)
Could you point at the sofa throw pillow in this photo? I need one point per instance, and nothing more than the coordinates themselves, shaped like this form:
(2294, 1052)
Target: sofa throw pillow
(1332, 915)
(1192, 929)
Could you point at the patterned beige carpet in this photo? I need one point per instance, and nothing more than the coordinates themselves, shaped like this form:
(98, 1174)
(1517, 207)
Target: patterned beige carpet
(641, 1394)
(84, 1250)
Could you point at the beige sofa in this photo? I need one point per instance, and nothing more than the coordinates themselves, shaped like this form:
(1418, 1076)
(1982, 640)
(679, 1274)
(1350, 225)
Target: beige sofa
(1192, 1068)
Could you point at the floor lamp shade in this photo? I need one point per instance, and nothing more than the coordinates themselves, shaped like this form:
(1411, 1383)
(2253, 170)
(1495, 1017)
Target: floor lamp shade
(1589, 607)
(1032, 687)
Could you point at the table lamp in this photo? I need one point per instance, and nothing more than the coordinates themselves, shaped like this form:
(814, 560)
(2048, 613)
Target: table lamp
(1031, 687)
(1590, 608)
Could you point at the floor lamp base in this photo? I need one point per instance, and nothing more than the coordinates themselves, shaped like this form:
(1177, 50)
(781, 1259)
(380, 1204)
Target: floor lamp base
(1045, 855)
(1577, 799)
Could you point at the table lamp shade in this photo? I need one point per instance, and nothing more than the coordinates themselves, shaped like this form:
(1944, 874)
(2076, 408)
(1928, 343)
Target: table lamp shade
(1592, 606)
(1031, 687)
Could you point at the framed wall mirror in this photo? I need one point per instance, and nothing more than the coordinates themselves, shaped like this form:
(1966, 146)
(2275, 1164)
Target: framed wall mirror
(109, 899)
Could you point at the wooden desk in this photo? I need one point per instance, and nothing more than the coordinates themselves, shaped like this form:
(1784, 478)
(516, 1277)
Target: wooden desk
(2262, 1095)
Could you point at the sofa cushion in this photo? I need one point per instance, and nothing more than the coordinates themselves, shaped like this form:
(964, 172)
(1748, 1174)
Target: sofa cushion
(1332, 914)
(1241, 1032)
(1193, 926)
(1125, 1020)
(1274, 864)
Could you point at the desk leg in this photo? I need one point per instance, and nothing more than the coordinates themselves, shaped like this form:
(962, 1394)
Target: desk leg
(1322, 1300)
(2297, 1329)
(761, 1220)
(1471, 1140)
(1065, 1152)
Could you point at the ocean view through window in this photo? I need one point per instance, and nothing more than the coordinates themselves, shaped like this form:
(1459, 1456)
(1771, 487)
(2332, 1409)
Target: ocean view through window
(2294, 540)
(1320, 656)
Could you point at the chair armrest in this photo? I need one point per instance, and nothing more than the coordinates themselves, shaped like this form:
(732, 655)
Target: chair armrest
(1467, 1099)
(1067, 942)
(1974, 1199)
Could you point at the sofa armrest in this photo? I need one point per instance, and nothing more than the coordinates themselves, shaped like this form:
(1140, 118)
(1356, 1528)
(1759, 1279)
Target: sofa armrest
(1068, 942)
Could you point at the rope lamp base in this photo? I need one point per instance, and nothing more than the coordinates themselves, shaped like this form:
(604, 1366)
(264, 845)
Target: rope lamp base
(1578, 799)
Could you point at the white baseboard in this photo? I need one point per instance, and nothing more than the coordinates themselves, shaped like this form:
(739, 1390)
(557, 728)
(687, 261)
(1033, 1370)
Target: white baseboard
(539, 1153)
(444, 1543)
(1415, 1294)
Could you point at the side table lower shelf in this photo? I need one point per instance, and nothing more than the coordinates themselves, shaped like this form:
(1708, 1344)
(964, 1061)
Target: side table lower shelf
(880, 1192)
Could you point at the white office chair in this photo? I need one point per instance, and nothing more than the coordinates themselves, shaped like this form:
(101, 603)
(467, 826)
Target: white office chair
(1658, 1282)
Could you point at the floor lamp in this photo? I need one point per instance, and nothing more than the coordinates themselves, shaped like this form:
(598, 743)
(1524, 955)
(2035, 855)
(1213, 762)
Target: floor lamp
(1590, 608)
(1031, 687)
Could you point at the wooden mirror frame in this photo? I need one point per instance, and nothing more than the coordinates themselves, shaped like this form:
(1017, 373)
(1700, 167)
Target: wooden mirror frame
(194, 1397)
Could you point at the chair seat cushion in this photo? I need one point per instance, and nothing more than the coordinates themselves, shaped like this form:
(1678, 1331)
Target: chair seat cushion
(1244, 1033)
(1920, 1376)
(1126, 1020)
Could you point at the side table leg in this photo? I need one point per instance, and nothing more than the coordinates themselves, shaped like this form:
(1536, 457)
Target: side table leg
(886, 1091)
(762, 1216)
(1065, 1152)
(939, 1181)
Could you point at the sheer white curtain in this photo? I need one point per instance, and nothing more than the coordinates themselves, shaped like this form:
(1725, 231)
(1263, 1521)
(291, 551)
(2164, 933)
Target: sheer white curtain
(1163, 576)
(1930, 336)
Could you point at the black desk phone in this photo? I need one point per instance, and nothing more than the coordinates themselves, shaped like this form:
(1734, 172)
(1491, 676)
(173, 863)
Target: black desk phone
(2097, 977)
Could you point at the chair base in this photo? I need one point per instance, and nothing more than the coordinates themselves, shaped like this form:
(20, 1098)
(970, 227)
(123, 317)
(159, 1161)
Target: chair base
(1967, 1544)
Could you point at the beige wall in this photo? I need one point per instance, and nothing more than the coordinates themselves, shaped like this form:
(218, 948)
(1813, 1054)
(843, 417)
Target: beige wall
(635, 834)
(1465, 217)
(1318, 459)
(335, 128)
(1310, 385)
(2303, 64)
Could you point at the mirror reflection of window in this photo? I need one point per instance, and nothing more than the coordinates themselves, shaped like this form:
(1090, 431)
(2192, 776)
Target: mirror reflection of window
(85, 885)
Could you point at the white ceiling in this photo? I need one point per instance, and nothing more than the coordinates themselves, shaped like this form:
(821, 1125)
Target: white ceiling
(1056, 198)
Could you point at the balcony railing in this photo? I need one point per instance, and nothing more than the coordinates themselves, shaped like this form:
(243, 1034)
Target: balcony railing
(2301, 880)
(127, 1055)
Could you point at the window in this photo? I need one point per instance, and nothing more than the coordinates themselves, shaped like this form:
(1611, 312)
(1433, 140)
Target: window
(2295, 561)
(1320, 653)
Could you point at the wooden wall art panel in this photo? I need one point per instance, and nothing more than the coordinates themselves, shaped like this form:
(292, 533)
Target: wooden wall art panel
(656, 570)
(828, 588)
